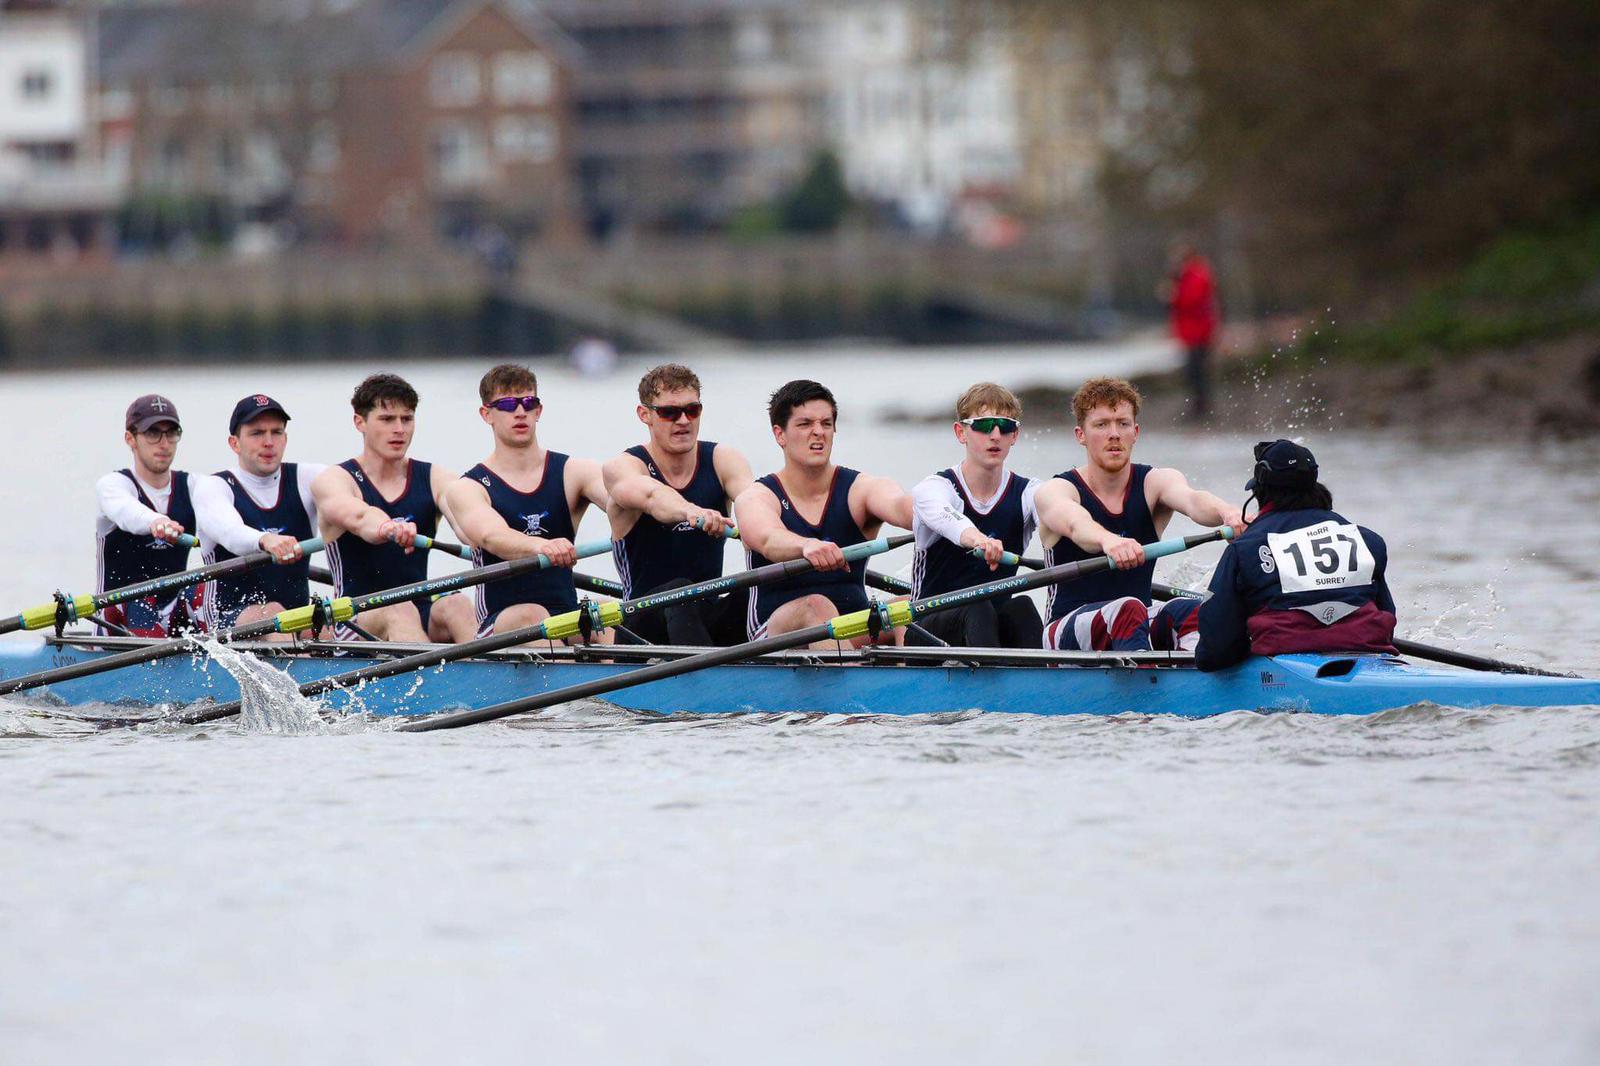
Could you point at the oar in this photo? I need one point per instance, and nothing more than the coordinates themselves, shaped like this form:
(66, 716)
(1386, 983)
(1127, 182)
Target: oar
(590, 583)
(76, 607)
(298, 619)
(556, 627)
(1448, 656)
(844, 627)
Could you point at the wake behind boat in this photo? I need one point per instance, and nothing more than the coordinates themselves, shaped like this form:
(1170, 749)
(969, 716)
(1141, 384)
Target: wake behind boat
(872, 680)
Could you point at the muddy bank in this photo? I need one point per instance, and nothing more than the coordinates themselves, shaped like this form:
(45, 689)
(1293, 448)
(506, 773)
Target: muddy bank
(1547, 389)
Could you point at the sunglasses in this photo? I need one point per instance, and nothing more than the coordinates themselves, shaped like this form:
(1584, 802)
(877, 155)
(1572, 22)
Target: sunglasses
(1007, 426)
(671, 412)
(511, 403)
(156, 436)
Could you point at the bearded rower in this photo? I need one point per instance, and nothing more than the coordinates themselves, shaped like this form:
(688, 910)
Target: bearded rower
(520, 502)
(1112, 505)
(668, 502)
(262, 504)
(811, 509)
(144, 509)
(977, 505)
(371, 510)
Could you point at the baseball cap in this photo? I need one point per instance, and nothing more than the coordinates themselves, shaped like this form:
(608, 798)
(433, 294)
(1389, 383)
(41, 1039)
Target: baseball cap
(1283, 464)
(252, 407)
(151, 410)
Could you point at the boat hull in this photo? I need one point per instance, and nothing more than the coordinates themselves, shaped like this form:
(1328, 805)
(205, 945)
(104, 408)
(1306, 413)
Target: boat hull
(1304, 683)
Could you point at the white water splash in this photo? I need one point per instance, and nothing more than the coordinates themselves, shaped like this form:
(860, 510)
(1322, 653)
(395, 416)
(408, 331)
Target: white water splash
(271, 698)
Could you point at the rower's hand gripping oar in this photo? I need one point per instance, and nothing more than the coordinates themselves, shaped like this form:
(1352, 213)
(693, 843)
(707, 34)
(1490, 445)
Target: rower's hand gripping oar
(556, 627)
(844, 627)
(1448, 656)
(299, 619)
(72, 608)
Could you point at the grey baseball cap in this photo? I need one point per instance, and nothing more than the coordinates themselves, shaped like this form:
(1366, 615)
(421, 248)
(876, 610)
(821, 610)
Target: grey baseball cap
(151, 410)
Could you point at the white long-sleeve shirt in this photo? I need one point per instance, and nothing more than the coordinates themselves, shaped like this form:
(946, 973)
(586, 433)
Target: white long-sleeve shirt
(121, 508)
(938, 510)
(221, 525)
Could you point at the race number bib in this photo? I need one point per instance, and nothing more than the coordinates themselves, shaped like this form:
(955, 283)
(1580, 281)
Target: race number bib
(1332, 555)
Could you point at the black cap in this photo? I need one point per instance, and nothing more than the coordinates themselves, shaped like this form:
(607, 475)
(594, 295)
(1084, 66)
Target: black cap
(1283, 464)
(252, 407)
(151, 410)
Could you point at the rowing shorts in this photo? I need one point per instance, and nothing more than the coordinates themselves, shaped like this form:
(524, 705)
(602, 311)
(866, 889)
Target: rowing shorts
(424, 608)
(1127, 624)
(154, 617)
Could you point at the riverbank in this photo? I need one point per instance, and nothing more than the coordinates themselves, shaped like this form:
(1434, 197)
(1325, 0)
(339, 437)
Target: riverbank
(1543, 389)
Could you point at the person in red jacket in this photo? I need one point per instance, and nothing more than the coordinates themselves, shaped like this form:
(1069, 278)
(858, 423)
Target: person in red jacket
(1192, 295)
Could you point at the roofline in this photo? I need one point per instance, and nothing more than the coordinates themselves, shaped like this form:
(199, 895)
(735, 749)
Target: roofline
(537, 27)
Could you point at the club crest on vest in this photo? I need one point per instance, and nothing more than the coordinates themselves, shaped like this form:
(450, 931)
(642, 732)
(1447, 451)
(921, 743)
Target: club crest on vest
(533, 524)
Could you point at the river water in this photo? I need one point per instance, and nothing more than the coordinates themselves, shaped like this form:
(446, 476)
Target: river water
(589, 886)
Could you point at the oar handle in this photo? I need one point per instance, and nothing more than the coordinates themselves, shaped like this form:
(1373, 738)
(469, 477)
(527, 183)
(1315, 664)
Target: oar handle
(1012, 559)
(729, 531)
(427, 543)
(187, 540)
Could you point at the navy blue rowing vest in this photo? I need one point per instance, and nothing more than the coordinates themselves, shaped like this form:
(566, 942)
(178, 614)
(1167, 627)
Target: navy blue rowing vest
(358, 567)
(287, 585)
(1134, 520)
(651, 554)
(540, 513)
(946, 566)
(128, 558)
(846, 588)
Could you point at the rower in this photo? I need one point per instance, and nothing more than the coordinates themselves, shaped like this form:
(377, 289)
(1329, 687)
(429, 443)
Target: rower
(520, 502)
(262, 504)
(144, 509)
(811, 509)
(1112, 505)
(1302, 578)
(372, 508)
(668, 502)
(979, 505)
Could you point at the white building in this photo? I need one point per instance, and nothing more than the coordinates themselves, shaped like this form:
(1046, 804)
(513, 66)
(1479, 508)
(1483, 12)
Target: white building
(54, 195)
(922, 102)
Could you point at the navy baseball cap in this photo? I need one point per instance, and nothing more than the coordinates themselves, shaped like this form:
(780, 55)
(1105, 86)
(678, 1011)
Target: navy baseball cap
(1283, 464)
(252, 407)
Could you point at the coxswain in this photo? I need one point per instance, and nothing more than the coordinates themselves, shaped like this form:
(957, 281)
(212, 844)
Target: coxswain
(144, 509)
(1111, 505)
(668, 513)
(370, 510)
(520, 502)
(261, 504)
(812, 509)
(979, 505)
(1302, 577)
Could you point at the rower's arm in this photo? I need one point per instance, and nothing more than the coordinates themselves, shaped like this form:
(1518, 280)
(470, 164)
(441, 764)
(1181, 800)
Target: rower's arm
(218, 522)
(439, 482)
(761, 525)
(1060, 513)
(481, 525)
(119, 502)
(733, 470)
(936, 509)
(885, 501)
(340, 508)
(1170, 490)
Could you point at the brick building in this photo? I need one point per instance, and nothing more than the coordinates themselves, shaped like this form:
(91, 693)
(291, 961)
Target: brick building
(369, 120)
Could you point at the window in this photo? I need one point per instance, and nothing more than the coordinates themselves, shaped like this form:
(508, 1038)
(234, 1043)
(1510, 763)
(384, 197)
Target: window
(36, 85)
(454, 79)
(522, 78)
(458, 154)
(519, 139)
